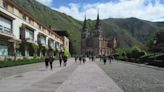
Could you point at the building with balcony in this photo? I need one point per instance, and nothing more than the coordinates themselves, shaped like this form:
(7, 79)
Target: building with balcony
(64, 35)
(21, 34)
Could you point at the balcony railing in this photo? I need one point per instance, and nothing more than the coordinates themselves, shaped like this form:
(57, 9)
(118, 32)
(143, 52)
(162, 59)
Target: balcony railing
(9, 32)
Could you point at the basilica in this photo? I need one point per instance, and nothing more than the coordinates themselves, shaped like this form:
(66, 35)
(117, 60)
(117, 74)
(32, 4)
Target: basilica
(93, 42)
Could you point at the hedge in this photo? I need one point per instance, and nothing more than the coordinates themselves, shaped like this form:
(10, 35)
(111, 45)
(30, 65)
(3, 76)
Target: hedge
(10, 63)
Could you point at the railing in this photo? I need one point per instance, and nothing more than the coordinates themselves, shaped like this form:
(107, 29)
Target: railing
(6, 32)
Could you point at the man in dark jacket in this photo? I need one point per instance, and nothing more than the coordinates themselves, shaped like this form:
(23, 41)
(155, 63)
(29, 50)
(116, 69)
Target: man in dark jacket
(60, 58)
(51, 59)
(46, 62)
(104, 59)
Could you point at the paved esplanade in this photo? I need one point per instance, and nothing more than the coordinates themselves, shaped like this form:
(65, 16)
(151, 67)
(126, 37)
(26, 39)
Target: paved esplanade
(89, 78)
(132, 77)
(73, 78)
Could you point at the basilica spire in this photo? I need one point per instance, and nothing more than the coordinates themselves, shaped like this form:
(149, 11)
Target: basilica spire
(85, 24)
(97, 26)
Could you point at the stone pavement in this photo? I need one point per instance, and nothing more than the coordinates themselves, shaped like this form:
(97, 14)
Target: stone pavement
(132, 77)
(73, 78)
(9, 71)
(89, 78)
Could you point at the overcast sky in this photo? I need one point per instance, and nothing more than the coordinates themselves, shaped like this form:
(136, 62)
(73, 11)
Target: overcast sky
(152, 10)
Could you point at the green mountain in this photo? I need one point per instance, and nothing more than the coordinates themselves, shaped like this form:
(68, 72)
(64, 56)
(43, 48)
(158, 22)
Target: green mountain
(129, 32)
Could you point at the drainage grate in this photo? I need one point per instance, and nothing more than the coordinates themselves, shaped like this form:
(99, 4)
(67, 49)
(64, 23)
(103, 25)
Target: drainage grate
(57, 82)
(18, 76)
(42, 70)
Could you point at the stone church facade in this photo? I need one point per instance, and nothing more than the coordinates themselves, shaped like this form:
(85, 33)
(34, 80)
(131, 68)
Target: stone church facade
(94, 43)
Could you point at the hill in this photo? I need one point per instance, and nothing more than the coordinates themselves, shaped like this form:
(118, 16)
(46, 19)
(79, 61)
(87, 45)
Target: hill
(130, 31)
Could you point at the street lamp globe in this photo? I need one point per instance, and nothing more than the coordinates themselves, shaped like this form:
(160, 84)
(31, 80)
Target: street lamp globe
(155, 42)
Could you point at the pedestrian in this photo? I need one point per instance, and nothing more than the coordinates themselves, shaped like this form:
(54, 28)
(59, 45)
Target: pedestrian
(93, 58)
(84, 59)
(100, 58)
(46, 61)
(80, 58)
(65, 60)
(60, 58)
(104, 59)
(76, 58)
(51, 59)
(90, 57)
(110, 59)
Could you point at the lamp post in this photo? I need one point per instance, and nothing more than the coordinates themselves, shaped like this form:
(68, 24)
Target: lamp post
(154, 43)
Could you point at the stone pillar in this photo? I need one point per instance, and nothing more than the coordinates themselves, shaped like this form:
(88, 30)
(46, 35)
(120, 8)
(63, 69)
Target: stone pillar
(15, 53)
(1, 3)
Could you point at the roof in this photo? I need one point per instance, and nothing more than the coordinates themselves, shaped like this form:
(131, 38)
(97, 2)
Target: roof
(61, 32)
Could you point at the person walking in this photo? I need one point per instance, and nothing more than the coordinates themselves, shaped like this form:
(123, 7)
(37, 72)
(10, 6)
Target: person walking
(100, 58)
(80, 58)
(110, 59)
(76, 57)
(60, 58)
(104, 59)
(51, 59)
(46, 61)
(65, 60)
(92, 58)
(84, 59)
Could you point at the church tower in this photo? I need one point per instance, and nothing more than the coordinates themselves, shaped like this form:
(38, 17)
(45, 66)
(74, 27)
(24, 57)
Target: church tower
(84, 36)
(85, 32)
(97, 30)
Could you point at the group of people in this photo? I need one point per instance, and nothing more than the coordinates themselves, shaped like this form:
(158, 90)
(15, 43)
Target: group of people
(80, 58)
(92, 58)
(62, 59)
(49, 61)
(105, 58)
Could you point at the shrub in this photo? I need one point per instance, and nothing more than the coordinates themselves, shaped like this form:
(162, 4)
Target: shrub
(130, 54)
(135, 53)
(66, 52)
(24, 61)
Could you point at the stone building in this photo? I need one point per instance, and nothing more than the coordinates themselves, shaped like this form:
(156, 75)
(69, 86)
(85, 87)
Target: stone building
(21, 33)
(94, 43)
